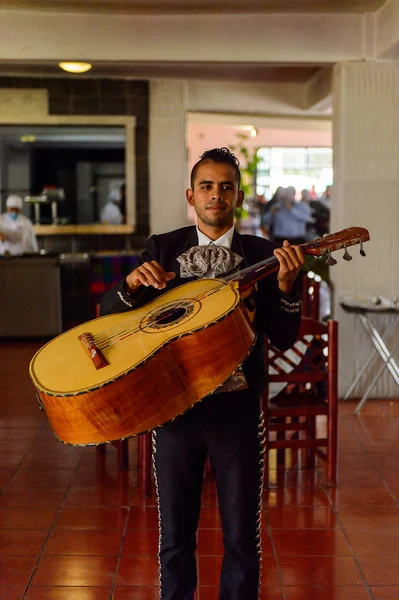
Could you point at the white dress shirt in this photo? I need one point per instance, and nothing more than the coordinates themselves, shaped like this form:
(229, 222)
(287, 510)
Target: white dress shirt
(237, 381)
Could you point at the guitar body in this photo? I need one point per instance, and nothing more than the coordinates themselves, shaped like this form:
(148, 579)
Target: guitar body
(123, 374)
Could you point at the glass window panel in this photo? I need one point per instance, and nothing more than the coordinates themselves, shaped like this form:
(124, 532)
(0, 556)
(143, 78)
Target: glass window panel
(319, 157)
(288, 157)
(303, 168)
(264, 155)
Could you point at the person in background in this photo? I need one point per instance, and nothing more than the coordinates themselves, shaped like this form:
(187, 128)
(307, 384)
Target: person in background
(310, 231)
(17, 235)
(288, 219)
(226, 425)
(111, 212)
(265, 223)
(320, 208)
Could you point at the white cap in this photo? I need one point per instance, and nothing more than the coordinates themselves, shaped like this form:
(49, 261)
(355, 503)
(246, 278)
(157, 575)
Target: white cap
(14, 202)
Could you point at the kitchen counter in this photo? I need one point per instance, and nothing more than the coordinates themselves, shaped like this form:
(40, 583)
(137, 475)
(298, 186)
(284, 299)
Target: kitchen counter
(91, 229)
(83, 238)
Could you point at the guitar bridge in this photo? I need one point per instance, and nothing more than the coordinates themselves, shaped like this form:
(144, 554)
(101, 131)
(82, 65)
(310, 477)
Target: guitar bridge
(93, 351)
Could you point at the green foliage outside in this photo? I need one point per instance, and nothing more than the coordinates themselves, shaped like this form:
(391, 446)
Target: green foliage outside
(248, 163)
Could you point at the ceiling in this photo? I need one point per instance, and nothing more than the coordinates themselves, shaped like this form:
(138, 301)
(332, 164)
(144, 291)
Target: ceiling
(237, 71)
(197, 6)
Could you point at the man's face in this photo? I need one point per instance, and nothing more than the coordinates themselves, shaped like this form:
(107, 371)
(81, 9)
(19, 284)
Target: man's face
(215, 196)
(14, 210)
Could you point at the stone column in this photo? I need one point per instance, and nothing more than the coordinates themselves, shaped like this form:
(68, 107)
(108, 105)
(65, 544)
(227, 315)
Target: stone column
(167, 155)
(366, 194)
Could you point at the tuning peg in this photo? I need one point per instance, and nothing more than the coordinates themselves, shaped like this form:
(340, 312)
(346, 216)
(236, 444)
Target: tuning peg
(346, 255)
(362, 252)
(330, 260)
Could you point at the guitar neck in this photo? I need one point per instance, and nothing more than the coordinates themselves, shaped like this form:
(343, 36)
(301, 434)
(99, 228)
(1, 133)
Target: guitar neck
(249, 276)
(318, 247)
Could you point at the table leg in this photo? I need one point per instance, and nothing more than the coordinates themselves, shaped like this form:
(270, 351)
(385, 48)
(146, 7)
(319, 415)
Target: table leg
(381, 347)
(372, 384)
(366, 363)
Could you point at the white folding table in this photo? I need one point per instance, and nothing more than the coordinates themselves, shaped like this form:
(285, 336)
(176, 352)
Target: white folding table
(363, 312)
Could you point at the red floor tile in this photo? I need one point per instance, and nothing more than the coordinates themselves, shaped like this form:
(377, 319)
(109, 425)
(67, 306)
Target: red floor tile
(92, 518)
(137, 542)
(75, 571)
(382, 571)
(364, 478)
(67, 593)
(349, 495)
(16, 570)
(131, 593)
(11, 592)
(31, 498)
(342, 592)
(50, 461)
(319, 570)
(373, 517)
(85, 525)
(22, 542)
(50, 478)
(5, 477)
(27, 518)
(140, 571)
(83, 542)
(384, 592)
(366, 542)
(79, 495)
(299, 542)
(296, 497)
(301, 518)
(141, 517)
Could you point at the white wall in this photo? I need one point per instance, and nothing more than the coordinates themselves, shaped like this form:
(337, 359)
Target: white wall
(201, 137)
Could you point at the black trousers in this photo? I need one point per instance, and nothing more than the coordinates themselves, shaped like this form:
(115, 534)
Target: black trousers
(227, 427)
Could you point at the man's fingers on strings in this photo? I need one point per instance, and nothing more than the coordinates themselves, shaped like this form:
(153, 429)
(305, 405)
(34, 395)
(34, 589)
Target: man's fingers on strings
(283, 258)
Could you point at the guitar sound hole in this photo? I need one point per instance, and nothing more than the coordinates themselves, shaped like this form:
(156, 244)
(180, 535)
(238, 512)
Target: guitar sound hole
(170, 316)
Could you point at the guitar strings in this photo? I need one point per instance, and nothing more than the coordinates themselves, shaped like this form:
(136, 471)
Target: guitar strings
(105, 338)
(122, 328)
(124, 331)
(120, 332)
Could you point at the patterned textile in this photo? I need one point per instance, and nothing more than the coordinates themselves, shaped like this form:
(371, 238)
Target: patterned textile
(200, 259)
(108, 269)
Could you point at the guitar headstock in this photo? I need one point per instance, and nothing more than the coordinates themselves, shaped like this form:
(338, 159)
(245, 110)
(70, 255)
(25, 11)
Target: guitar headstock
(334, 241)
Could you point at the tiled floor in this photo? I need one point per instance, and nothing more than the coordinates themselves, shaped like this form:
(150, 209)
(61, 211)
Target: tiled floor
(74, 527)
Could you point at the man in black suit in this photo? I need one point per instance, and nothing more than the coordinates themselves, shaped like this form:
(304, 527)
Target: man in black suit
(226, 425)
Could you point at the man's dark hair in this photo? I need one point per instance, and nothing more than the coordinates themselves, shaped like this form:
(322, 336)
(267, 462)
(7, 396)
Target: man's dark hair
(217, 155)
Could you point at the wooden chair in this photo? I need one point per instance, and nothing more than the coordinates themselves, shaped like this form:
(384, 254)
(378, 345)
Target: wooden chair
(308, 372)
(310, 295)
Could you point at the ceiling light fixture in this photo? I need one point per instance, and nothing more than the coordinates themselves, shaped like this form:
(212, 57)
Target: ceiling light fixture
(253, 132)
(75, 67)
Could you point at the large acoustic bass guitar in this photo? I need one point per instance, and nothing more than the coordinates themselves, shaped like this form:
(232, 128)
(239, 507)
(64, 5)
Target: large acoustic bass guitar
(124, 374)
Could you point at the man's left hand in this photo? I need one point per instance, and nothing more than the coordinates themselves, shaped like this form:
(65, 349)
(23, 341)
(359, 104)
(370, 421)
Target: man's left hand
(291, 259)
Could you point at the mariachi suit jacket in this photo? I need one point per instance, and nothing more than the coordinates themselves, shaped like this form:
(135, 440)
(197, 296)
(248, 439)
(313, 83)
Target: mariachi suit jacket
(277, 315)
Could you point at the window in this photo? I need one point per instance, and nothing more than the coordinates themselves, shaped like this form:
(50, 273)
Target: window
(302, 168)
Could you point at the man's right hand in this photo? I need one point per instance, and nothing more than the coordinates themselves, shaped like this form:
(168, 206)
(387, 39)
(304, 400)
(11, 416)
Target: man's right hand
(149, 273)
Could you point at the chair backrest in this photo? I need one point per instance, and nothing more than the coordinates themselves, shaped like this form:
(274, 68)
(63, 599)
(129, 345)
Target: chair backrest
(313, 357)
(310, 284)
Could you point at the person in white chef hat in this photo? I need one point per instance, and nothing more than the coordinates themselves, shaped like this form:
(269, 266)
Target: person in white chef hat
(17, 235)
(111, 212)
